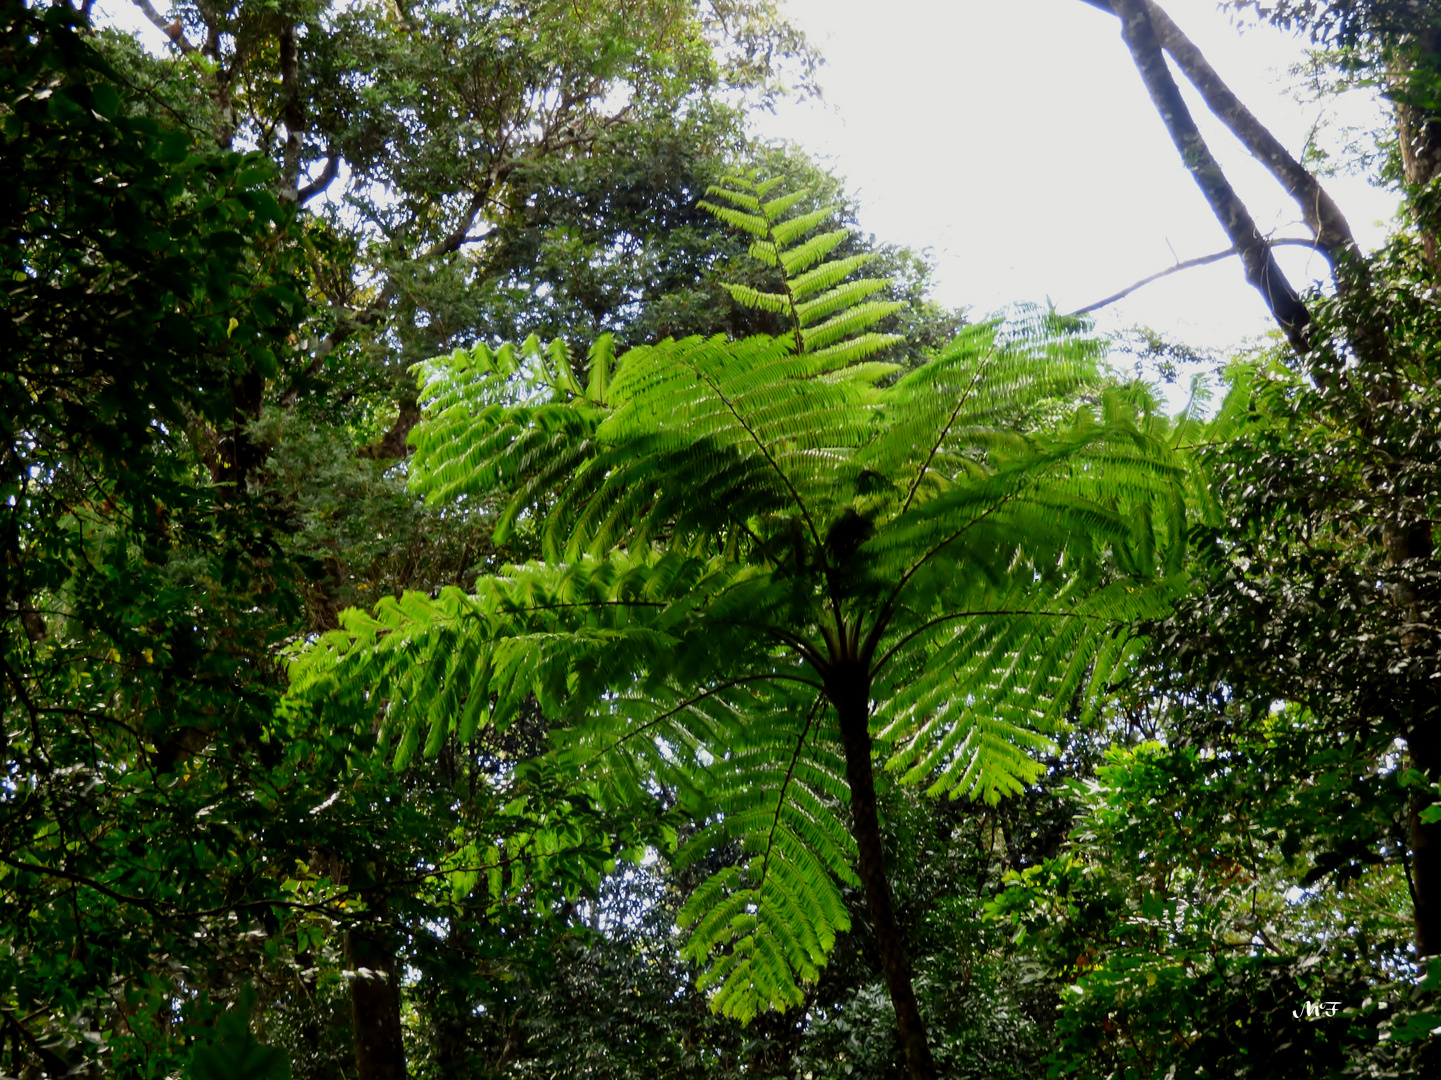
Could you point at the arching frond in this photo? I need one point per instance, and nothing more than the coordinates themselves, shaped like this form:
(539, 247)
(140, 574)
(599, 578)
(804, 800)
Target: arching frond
(764, 924)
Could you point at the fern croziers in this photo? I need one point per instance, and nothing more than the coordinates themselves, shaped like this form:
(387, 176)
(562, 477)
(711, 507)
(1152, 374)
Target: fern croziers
(768, 564)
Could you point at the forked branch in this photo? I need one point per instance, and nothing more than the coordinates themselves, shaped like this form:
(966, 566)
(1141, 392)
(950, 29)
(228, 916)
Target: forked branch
(1318, 209)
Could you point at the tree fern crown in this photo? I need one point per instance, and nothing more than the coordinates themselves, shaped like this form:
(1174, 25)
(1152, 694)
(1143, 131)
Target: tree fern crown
(725, 527)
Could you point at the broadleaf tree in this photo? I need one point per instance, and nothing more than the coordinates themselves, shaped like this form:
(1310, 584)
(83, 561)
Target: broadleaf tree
(1322, 587)
(768, 563)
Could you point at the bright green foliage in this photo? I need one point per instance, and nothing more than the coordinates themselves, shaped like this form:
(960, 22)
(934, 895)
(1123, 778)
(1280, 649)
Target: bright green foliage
(729, 528)
(831, 316)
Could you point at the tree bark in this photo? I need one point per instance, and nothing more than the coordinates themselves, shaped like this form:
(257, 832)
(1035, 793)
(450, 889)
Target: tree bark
(1411, 544)
(1329, 227)
(1319, 211)
(1418, 128)
(292, 112)
(1262, 270)
(375, 1006)
(850, 693)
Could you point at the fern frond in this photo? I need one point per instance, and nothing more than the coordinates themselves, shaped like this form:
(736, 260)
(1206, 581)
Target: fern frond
(803, 256)
(761, 928)
(775, 303)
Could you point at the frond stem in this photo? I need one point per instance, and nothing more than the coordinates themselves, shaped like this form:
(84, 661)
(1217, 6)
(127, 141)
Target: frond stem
(801, 645)
(888, 609)
(969, 615)
(946, 429)
(765, 452)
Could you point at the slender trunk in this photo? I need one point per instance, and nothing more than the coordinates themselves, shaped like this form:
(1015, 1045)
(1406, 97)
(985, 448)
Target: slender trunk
(1424, 750)
(375, 1006)
(1318, 209)
(1418, 129)
(1262, 270)
(852, 700)
(292, 112)
(1409, 544)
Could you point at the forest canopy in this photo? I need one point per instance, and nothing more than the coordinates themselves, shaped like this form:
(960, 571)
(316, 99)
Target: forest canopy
(504, 578)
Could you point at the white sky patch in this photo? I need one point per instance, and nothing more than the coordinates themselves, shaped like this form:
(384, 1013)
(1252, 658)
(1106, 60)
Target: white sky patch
(1017, 142)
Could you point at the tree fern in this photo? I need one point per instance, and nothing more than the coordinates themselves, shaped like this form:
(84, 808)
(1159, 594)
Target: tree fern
(759, 562)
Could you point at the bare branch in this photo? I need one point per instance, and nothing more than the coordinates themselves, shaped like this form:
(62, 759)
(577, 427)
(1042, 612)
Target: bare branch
(322, 182)
(1189, 264)
(1320, 212)
(169, 29)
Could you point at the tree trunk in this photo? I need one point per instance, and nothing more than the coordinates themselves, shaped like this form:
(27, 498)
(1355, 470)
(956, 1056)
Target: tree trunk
(1262, 270)
(1418, 130)
(375, 1006)
(851, 696)
(292, 113)
(1410, 545)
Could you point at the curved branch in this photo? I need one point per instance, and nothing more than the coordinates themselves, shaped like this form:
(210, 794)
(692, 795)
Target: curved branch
(171, 30)
(322, 182)
(1191, 264)
(807, 651)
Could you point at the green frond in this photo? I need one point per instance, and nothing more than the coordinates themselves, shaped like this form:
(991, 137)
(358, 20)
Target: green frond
(802, 257)
(778, 208)
(784, 232)
(827, 276)
(850, 321)
(760, 929)
(840, 298)
(853, 351)
(989, 526)
(755, 224)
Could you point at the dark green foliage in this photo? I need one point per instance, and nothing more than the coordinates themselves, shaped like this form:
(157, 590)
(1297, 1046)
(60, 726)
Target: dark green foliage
(233, 1053)
(149, 281)
(1169, 925)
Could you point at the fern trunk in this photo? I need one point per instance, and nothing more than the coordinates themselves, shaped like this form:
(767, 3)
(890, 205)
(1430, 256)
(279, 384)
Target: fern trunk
(853, 706)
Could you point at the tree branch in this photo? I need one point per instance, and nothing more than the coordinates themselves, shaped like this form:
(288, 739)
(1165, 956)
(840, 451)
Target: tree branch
(322, 182)
(169, 29)
(1188, 264)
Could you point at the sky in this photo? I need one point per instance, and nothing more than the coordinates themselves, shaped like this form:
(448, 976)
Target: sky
(1015, 140)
